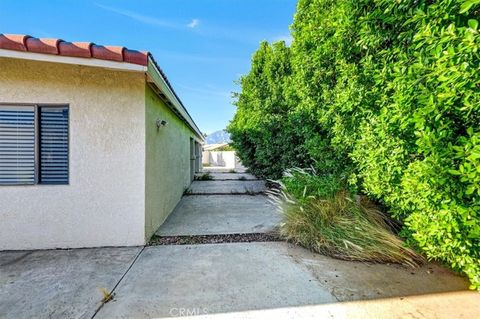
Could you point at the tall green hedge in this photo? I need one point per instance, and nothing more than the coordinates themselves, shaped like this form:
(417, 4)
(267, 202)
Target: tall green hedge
(267, 131)
(384, 94)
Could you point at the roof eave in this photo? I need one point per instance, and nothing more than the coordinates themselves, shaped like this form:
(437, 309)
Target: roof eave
(114, 65)
(158, 78)
(153, 71)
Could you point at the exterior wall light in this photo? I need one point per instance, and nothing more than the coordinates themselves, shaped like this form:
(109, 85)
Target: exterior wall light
(160, 123)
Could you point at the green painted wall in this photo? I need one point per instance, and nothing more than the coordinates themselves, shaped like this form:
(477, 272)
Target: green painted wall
(167, 161)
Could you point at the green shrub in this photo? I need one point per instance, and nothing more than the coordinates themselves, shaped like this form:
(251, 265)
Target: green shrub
(384, 94)
(204, 177)
(420, 153)
(266, 131)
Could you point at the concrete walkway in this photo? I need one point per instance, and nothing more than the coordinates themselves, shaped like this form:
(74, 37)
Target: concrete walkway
(227, 187)
(211, 208)
(230, 176)
(222, 169)
(221, 214)
(236, 280)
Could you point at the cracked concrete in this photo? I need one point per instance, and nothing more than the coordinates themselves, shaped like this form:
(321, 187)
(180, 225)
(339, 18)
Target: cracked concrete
(59, 283)
(245, 280)
(214, 278)
(239, 278)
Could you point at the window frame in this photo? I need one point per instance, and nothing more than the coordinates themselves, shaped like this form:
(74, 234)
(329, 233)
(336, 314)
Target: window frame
(37, 141)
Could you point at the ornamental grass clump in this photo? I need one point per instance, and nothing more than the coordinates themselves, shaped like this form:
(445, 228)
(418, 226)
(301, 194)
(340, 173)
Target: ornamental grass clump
(336, 223)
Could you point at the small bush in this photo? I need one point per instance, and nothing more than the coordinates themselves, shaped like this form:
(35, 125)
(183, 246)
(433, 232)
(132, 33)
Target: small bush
(336, 223)
(204, 177)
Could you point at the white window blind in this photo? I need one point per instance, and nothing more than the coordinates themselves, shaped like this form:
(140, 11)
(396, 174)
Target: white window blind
(53, 145)
(17, 145)
(34, 145)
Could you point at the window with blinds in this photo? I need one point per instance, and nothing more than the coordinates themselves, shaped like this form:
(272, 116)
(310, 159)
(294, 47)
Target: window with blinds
(33, 145)
(53, 145)
(17, 145)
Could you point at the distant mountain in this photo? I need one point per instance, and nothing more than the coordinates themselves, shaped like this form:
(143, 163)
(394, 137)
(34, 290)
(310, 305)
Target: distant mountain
(218, 137)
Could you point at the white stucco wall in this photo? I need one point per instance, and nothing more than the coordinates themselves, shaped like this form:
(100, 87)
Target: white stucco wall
(104, 204)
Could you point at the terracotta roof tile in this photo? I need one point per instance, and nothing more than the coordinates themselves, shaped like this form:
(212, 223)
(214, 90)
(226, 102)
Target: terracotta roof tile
(135, 57)
(20, 42)
(48, 46)
(13, 42)
(107, 53)
(75, 49)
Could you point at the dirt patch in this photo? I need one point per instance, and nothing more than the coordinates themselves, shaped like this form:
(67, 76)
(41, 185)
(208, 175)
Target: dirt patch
(213, 239)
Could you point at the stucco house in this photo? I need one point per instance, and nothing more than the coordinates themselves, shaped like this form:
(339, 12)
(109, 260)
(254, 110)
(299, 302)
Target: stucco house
(96, 148)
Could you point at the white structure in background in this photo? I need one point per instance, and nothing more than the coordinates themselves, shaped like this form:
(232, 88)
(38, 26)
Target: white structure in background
(212, 156)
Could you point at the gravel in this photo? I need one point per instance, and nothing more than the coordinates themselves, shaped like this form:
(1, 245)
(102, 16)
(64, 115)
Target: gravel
(213, 239)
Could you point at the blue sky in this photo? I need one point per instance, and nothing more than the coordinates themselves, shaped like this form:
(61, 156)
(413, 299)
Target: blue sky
(202, 45)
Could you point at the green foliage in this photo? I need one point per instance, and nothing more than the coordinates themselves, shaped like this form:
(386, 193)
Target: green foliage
(303, 184)
(384, 94)
(417, 153)
(266, 131)
(320, 216)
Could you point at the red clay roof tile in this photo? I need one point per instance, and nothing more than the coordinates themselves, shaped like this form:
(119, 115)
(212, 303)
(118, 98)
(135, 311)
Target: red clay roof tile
(48, 46)
(20, 42)
(135, 57)
(75, 49)
(13, 42)
(107, 53)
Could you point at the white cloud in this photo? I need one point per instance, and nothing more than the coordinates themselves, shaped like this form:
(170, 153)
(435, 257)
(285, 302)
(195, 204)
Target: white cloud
(141, 18)
(194, 23)
(245, 35)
